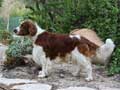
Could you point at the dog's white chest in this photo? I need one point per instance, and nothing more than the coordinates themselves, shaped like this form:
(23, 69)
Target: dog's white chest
(38, 54)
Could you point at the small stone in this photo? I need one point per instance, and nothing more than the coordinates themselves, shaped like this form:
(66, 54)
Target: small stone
(61, 75)
(15, 81)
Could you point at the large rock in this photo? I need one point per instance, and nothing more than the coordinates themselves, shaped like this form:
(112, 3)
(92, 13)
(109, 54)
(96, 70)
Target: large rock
(33, 87)
(23, 84)
(108, 88)
(15, 81)
(77, 88)
(89, 34)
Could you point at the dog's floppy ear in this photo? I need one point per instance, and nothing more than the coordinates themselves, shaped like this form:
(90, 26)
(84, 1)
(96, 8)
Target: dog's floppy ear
(32, 29)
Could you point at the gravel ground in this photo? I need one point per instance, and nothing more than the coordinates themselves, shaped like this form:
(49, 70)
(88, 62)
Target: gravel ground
(61, 76)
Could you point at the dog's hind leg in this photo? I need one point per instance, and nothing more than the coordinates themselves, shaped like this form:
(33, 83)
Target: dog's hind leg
(84, 64)
(88, 70)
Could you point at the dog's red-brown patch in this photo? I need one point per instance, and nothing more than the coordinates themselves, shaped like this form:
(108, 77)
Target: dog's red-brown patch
(59, 45)
(55, 44)
(86, 47)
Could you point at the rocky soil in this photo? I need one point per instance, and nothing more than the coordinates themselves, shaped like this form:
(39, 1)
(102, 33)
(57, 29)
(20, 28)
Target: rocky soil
(61, 77)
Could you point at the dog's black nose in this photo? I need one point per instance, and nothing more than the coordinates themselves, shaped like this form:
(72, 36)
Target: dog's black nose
(15, 30)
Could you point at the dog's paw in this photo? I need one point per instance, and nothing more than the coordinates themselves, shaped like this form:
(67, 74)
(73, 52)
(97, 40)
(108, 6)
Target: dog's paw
(89, 79)
(41, 74)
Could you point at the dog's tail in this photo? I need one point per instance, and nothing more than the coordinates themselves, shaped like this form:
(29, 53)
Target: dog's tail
(104, 52)
(107, 48)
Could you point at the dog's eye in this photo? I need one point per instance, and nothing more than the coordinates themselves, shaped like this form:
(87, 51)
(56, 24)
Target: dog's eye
(22, 25)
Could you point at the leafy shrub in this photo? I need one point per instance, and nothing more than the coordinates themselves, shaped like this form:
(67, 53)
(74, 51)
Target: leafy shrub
(5, 37)
(18, 10)
(2, 24)
(1, 2)
(16, 50)
(114, 66)
(65, 15)
(19, 47)
(55, 16)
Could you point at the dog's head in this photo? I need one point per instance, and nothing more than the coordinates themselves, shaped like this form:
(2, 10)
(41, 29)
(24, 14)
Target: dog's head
(26, 28)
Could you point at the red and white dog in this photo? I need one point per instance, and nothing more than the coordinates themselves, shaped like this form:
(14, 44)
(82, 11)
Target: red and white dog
(50, 46)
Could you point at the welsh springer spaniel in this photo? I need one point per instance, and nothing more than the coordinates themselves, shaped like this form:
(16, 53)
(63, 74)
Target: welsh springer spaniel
(50, 46)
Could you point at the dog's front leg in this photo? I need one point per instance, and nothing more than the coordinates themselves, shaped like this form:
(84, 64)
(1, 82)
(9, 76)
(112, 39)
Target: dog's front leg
(40, 58)
(43, 72)
(46, 67)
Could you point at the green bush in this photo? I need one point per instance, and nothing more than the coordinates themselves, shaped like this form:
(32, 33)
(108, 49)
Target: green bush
(65, 15)
(55, 16)
(1, 2)
(19, 47)
(5, 37)
(15, 52)
(2, 24)
(114, 65)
